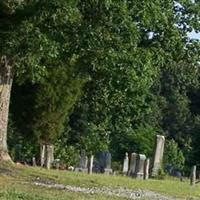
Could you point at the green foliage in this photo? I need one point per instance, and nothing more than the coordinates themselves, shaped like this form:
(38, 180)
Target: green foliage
(173, 155)
(111, 73)
(44, 53)
(21, 148)
(68, 155)
(114, 101)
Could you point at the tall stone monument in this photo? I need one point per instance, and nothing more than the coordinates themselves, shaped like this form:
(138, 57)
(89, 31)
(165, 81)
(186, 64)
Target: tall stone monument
(132, 165)
(158, 156)
(125, 164)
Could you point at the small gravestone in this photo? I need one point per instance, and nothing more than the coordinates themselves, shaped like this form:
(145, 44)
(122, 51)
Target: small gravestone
(83, 163)
(34, 162)
(18, 152)
(49, 156)
(91, 164)
(125, 164)
(158, 156)
(193, 175)
(132, 166)
(139, 170)
(56, 163)
(146, 169)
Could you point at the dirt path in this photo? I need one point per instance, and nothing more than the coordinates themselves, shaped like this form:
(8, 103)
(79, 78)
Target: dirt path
(119, 192)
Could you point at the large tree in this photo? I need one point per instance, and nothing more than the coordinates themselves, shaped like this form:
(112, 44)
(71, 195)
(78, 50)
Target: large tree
(40, 39)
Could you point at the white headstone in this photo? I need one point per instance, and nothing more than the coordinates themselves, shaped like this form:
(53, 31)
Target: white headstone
(125, 164)
(91, 164)
(146, 169)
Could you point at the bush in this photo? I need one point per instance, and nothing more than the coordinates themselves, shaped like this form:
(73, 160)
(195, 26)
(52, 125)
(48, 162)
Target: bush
(173, 155)
(68, 155)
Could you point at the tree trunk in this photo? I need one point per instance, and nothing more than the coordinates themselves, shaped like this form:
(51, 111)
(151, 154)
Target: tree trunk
(5, 90)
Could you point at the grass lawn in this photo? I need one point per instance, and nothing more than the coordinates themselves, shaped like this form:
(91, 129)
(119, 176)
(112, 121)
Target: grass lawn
(16, 183)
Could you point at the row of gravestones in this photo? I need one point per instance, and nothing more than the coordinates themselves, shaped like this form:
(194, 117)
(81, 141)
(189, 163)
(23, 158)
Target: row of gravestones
(136, 166)
(102, 163)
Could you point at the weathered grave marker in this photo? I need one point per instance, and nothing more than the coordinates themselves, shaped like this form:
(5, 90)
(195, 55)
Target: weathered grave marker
(159, 150)
(34, 162)
(132, 166)
(125, 164)
(49, 155)
(42, 154)
(146, 169)
(83, 163)
(139, 171)
(193, 175)
(18, 150)
(91, 164)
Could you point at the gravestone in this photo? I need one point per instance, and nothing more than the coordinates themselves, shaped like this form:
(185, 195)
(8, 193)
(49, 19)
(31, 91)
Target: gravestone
(49, 156)
(146, 169)
(139, 170)
(18, 152)
(42, 154)
(108, 158)
(103, 163)
(158, 156)
(34, 162)
(193, 175)
(132, 166)
(56, 163)
(91, 164)
(83, 163)
(125, 164)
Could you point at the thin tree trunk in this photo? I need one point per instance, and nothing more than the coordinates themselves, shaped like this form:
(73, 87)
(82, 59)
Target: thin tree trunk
(5, 90)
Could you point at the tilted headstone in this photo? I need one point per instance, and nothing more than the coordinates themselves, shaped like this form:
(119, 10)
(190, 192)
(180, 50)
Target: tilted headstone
(158, 157)
(125, 164)
(91, 164)
(139, 170)
(132, 165)
(83, 163)
(146, 169)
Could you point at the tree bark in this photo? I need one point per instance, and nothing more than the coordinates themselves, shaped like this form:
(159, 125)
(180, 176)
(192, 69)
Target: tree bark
(5, 90)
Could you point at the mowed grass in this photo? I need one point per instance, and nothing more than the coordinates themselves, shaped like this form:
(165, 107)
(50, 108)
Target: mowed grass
(16, 183)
